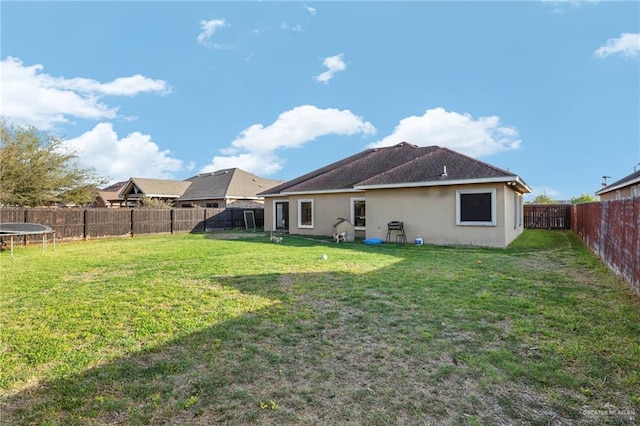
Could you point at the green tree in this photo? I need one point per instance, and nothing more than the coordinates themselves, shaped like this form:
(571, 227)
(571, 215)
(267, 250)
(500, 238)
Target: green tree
(544, 199)
(36, 169)
(584, 198)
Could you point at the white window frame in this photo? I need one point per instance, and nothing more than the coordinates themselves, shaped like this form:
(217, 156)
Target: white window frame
(305, 200)
(460, 192)
(518, 210)
(353, 213)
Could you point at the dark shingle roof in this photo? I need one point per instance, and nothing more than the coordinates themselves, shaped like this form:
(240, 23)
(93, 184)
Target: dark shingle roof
(631, 179)
(226, 183)
(394, 166)
(439, 165)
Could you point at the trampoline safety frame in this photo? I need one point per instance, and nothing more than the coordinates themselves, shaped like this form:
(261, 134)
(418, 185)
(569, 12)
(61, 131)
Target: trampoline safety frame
(22, 229)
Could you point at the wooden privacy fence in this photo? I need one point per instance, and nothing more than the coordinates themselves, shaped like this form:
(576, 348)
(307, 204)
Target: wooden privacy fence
(99, 223)
(547, 216)
(612, 230)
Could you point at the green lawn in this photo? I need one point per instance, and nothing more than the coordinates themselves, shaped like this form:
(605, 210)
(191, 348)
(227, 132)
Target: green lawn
(199, 329)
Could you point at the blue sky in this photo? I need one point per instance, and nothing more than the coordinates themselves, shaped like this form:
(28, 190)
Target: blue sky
(549, 90)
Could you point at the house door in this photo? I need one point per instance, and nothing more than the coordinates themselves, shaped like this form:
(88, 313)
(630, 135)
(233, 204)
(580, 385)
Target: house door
(282, 215)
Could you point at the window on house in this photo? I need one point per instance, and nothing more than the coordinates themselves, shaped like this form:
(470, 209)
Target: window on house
(517, 210)
(358, 213)
(212, 205)
(305, 213)
(476, 207)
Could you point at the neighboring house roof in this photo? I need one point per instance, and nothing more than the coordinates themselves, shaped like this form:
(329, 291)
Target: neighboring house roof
(632, 179)
(226, 184)
(155, 188)
(115, 187)
(402, 165)
(110, 194)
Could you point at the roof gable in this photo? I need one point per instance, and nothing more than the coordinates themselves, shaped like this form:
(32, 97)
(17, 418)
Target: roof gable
(158, 188)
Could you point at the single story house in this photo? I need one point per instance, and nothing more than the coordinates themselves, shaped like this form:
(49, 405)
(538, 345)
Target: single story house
(232, 188)
(220, 189)
(137, 189)
(434, 193)
(627, 187)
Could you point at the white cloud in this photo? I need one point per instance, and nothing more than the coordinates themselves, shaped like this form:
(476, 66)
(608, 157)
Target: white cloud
(571, 2)
(255, 148)
(30, 96)
(558, 4)
(119, 159)
(627, 45)
(262, 164)
(334, 64)
(311, 10)
(122, 86)
(208, 30)
(286, 26)
(460, 132)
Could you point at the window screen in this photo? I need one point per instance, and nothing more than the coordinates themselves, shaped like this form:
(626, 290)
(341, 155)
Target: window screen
(305, 213)
(475, 207)
(359, 212)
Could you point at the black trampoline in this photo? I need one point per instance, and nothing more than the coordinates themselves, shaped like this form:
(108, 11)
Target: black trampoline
(20, 229)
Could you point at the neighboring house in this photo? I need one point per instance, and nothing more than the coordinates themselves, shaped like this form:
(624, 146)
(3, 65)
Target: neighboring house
(220, 189)
(109, 196)
(627, 187)
(438, 194)
(226, 188)
(137, 189)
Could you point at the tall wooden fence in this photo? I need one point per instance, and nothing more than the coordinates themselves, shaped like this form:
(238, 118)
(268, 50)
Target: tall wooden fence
(547, 216)
(612, 230)
(99, 223)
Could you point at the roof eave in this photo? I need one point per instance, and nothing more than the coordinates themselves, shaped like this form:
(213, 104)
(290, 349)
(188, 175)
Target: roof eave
(154, 196)
(619, 186)
(517, 182)
(226, 197)
(325, 191)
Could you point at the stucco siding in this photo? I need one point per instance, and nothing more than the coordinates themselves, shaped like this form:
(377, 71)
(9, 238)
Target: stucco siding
(428, 212)
(622, 193)
(431, 213)
(326, 209)
(513, 214)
